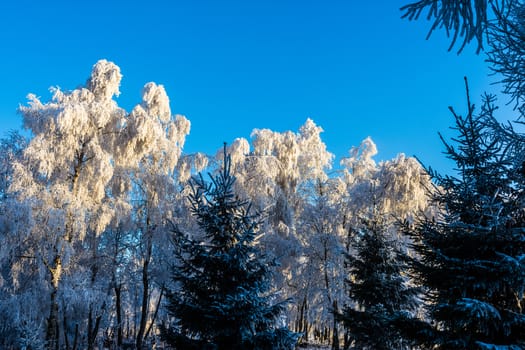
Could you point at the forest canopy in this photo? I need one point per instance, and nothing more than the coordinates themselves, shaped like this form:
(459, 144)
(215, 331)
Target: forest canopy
(112, 236)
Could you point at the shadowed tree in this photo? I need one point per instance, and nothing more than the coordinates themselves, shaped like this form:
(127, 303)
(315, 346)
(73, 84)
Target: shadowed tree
(380, 295)
(498, 27)
(467, 19)
(224, 300)
(471, 259)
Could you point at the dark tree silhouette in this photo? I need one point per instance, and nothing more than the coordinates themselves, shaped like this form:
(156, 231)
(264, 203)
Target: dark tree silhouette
(471, 259)
(381, 297)
(467, 19)
(224, 300)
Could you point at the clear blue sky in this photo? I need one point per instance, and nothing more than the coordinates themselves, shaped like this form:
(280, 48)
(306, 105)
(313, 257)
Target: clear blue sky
(354, 67)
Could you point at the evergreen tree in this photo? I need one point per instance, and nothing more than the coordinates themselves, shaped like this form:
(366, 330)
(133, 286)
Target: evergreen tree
(380, 293)
(224, 300)
(467, 19)
(471, 258)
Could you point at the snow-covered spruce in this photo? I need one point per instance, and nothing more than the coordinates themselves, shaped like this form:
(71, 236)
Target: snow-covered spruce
(471, 259)
(223, 300)
(380, 296)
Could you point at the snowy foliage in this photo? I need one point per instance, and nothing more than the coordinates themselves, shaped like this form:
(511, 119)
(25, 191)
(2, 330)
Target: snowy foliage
(75, 180)
(291, 160)
(360, 164)
(88, 200)
(310, 212)
(399, 187)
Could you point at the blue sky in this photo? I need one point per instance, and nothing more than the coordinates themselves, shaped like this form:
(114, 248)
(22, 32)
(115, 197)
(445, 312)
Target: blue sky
(354, 67)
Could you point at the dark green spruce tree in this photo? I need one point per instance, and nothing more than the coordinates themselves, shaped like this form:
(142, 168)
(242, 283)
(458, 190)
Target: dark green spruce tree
(223, 301)
(380, 294)
(471, 258)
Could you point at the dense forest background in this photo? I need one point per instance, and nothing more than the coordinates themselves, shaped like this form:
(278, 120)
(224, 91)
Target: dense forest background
(360, 254)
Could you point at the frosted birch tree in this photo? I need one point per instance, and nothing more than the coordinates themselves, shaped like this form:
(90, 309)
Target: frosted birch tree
(359, 176)
(318, 278)
(154, 186)
(11, 149)
(399, 187)
(281, 173)
(291, 161)
(311, 214)
(277, 174)
(72, 180)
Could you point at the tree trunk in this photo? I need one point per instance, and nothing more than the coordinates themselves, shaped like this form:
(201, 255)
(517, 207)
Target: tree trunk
(145, 288)
(93, 327)
(346, 343)
(303, 320)
(93, 321)
(118, 306)
(75, 340)
(66, 338)
(52, 331)
(157, 307)
(335, 333)
(90, 340)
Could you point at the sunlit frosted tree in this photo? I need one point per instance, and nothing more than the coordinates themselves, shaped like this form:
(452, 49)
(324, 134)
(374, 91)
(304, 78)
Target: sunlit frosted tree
(73, 181)
(318, 277)
(153, 195)
(280, 173)
(292, 163)
(398, 187)
(12, 331)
